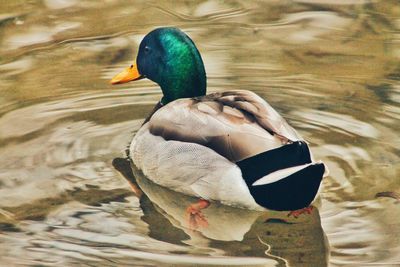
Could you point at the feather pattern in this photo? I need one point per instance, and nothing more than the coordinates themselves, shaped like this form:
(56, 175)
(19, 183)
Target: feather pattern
(235, 124)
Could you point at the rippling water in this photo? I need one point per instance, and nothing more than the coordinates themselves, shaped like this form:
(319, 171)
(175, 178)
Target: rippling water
(330, 67)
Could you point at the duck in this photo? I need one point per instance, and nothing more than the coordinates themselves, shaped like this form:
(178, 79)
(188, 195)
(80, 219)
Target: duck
(227, 146)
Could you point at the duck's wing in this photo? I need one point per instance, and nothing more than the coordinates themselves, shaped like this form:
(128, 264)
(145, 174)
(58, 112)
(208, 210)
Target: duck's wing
(266, 116)
(235, 124)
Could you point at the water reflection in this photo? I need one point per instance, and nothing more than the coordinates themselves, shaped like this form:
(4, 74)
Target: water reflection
(114, 227)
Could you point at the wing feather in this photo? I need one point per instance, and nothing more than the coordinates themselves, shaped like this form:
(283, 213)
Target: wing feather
(236, 124)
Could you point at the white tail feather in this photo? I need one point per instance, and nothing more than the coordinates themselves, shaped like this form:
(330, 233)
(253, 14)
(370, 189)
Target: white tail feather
(280, 174)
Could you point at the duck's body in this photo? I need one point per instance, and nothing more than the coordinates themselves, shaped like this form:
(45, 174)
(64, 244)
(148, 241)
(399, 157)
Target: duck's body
(230, 147)
(199, 147)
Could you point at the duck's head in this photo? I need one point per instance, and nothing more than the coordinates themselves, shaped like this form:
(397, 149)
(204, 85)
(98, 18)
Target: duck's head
(168, 57)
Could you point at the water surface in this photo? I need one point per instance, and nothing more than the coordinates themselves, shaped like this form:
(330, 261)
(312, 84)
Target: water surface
(330, 67)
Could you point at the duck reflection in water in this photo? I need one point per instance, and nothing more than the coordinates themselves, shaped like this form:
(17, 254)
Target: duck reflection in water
(237, 232)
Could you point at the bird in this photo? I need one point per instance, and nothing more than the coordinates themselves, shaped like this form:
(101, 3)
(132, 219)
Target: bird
(227, 146)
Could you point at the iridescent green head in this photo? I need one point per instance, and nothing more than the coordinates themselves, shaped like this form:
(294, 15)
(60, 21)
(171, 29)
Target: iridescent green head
(168, 57)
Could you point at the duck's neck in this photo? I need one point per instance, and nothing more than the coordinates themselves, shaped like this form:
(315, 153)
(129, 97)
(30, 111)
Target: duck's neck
(185, 75)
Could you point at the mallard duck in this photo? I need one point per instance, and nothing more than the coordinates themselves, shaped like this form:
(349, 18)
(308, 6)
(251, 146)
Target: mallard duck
(230, 146)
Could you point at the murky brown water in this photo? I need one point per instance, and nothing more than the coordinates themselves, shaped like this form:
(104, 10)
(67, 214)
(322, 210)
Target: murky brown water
(330, 67)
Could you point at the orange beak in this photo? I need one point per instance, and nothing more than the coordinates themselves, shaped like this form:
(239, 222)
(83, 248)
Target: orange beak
(129, 74)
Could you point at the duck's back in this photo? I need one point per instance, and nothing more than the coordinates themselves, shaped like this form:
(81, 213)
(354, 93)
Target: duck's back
(235, 124)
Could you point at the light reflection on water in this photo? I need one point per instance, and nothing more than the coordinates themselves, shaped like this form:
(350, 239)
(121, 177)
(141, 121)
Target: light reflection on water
(330, 68)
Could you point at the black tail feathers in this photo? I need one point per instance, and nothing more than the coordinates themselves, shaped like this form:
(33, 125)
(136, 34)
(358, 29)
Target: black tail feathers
(294, 192)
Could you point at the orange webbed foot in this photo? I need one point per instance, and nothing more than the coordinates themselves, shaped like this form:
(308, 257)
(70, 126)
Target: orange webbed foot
(194, 215)
(297, 213)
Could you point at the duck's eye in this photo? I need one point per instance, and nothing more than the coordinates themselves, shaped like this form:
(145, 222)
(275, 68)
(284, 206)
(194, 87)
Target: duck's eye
(131, 66)
(146, 49)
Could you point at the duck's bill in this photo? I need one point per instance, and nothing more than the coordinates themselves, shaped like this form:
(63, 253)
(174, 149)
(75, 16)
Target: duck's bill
(129, 74)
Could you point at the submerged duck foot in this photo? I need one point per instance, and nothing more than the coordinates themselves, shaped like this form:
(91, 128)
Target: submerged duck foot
(297, 213)
(195, 218)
